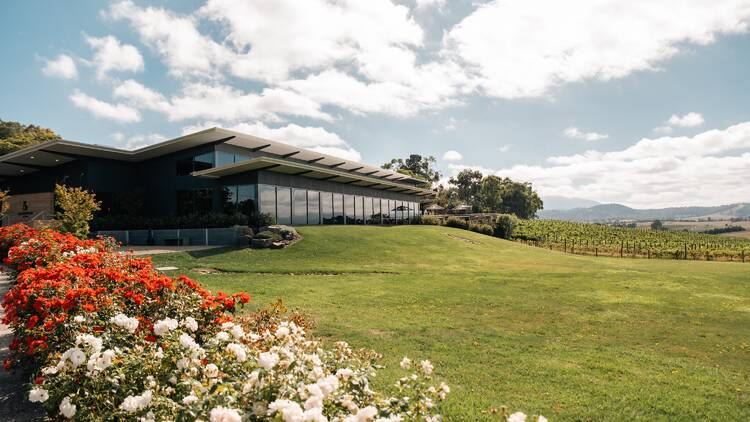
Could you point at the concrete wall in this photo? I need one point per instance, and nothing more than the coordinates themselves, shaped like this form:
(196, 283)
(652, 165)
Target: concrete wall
(25, 206)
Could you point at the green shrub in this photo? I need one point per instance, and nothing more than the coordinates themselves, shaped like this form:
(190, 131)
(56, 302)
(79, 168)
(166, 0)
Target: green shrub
(258, 220)
(458, 223)
(75, 209)
(430, 220)
(505, 225)
(267, 234)
(481, 228)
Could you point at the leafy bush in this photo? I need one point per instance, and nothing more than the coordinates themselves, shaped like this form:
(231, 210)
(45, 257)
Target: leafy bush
(431, 220)
(107, 337)
(481, 228)
(76, 209)
(727, 229)
(267, 234)
(505, 226)
(258, 220)
(457, 223)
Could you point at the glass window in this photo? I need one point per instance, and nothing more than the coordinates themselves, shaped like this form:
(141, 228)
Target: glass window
(349, 209)
(313, 207)
(223, 158)
(338, 208)
(283, 205)
(299, 206)
(368, 211)
(267, 195)
(376, 214)
(228, 199)
(359, 208)
(203, 161)
(386, 210)
(326, 207)
(247, 199)
(196, 201)
(399, 212)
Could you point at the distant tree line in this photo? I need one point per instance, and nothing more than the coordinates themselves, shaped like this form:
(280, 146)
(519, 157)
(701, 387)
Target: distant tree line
(15, 136)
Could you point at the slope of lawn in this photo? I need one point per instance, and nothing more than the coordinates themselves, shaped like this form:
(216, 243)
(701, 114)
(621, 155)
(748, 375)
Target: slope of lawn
(570, 337)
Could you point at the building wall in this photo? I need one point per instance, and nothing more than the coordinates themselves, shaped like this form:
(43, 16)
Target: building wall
(24, 207)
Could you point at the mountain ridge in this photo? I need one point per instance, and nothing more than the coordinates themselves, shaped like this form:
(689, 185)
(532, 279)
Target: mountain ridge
(619, 212)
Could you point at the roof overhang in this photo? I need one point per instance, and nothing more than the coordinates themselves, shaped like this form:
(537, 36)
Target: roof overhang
(279, 165)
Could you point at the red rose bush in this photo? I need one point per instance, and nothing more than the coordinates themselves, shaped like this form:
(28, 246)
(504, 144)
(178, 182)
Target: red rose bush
(110, 338)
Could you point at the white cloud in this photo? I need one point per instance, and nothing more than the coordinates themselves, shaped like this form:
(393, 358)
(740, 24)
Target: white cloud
(110, 54)
(61, 67)
(313, 138)
(452, 156)
(709, 168)
(505, 148)
(691, 119)
(575, 133)
(426, 4)
(664, 129)
(136, 141)
(524, 48)
(117, 112)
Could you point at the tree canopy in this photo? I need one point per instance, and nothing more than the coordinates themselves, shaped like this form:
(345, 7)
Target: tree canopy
(490, 194)
(415, 166)
(14, 136)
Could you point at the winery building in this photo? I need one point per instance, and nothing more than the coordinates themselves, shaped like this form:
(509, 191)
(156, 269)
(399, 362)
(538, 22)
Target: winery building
(212, 171)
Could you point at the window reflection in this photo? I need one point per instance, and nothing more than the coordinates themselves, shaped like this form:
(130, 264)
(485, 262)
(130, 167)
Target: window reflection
(349, 209)
(283, 205)
(267, 196)
(299, 206)
(338, 208)
(326, 207)
(313, 207)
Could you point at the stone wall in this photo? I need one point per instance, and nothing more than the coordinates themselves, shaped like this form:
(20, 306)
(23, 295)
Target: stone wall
(27, 206)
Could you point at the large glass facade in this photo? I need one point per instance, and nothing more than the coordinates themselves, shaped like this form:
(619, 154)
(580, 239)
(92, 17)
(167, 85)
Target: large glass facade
(326, 208)
(299, 206)
(283, 205)
(302, 207)
(313, 207)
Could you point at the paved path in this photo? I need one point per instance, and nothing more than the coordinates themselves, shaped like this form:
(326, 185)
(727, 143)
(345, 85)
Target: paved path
(13, 403)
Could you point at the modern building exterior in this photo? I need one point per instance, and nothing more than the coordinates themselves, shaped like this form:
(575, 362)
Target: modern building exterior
(214, 170)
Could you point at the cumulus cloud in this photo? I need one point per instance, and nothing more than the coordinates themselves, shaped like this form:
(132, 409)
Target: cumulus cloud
(691, 119)
(426, 4)
(116, 112)
(110, 54)
(136, 141)
(312, 138)
(452, 156)
(709, 168)
(524, 48)
(575, 133)
(62, 67)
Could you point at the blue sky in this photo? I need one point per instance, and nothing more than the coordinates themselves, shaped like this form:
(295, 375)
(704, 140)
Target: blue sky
(643, 103)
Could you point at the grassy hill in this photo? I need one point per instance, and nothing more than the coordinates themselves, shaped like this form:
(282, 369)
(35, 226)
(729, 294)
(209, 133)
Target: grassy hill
(570, 337)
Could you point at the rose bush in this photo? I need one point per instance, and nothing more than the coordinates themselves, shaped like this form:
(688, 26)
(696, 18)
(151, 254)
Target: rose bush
(110, 338)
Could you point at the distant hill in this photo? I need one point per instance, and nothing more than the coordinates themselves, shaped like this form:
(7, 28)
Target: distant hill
(617, 212)
(554, 202)
(14, 136)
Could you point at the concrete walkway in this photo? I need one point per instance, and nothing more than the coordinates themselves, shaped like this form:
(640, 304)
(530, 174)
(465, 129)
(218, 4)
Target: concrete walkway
(14, 405)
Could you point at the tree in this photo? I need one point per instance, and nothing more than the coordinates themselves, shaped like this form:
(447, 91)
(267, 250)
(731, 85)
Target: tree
(447, 197)
(468, 184)
(76, 209)
(4, 205)
(657, 225)
(490, 198)
(14, 136)
(520, 199)
(415, 166)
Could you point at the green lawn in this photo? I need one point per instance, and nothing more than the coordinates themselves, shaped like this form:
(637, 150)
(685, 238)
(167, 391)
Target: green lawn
(570, 337)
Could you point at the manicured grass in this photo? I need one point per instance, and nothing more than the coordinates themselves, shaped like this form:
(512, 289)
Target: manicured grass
(570, 337)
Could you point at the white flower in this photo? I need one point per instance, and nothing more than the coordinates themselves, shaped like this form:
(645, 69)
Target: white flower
(183, 363)
(222, 414)
(93, 342)
(541, 418)
(159, 353)
(282, 331)
(517, 417)
(268, 360)
(405, 363)
(75, 356)
(344, 373)
(133, 404)
(188, 342)
(164, 326)
(222, 336)
(38, 395)
(189, 399)
(79, 319)
(426, 367)
(290, 411)
(122, 320)
(190, 323)
(363, 415)
(238, 351)
(67, 409)
(211, 370)
(100, 361)
(238, 332)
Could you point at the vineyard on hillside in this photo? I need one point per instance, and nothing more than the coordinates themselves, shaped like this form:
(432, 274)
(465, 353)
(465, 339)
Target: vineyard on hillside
(596, 239)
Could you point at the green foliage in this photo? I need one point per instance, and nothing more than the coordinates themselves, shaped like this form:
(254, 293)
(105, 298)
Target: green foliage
(258, 220)
(14, 136)
(505, 225)
(492, 194)
(458, 223)
(76, 209)
(267, 234)
(491, 190)
(430, 220)
(447, 197)
(657, 225)
(599, 239)
(481, 228)
(467, 184)
(727, 229)
(4, 205)
(415, 166)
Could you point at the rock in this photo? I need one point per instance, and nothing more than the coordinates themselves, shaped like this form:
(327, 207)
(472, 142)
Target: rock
(278, 245)
(261, 243)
